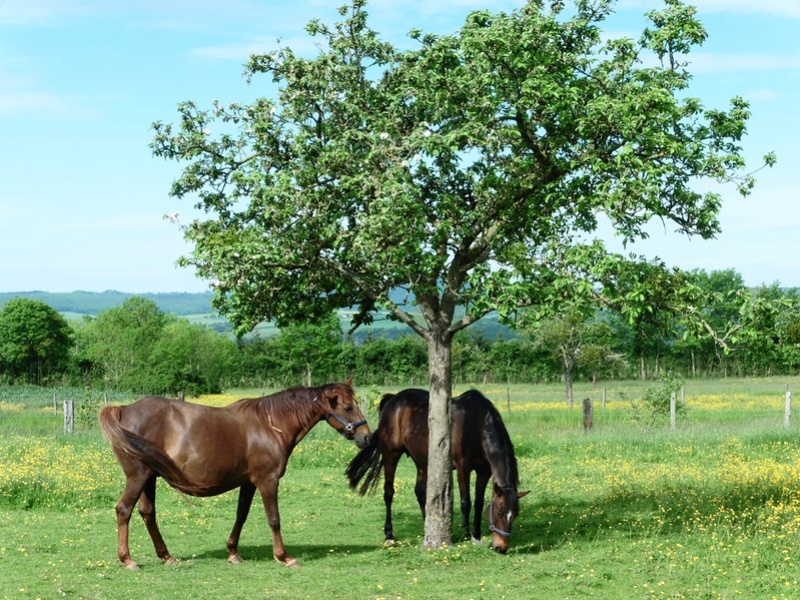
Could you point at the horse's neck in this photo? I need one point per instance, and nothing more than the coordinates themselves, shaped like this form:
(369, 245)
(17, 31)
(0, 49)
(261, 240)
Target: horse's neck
(501, 459)
(500, 473)
(296, 417)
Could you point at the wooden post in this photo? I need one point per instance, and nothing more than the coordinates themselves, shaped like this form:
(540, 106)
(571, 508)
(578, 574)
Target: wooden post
(683, 395)
(69, 416)
(787, 409)
(181, 396)
(105, 398)
(672, 412)
(588, 415)
(508, 399)
(604, 399)
(55, 409)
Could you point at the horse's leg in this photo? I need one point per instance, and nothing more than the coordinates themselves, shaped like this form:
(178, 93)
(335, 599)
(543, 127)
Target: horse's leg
(389, 470)
(136, 474)
(481, 480)
(269, 496)
(246, 493)
(466, 503)
(420, 487)
(147, 509)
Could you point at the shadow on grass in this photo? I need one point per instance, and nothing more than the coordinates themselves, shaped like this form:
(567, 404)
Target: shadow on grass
(640, 515)
(302, 552)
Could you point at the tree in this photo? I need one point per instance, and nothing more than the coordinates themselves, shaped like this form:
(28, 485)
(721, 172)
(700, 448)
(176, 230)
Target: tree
(35, 341)
(121, 340)
(722, 294)
(567, 336)
(302, 347)
(650, 298)
(462, 171)
(190, 358)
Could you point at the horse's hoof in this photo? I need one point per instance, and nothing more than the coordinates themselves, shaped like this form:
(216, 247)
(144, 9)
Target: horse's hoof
(476, 541)
(132, 566)
(388, 543)
(292, 563)
(171, 561)
(235, 559)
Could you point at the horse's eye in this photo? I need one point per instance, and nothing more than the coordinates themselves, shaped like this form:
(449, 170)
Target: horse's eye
(348, 409)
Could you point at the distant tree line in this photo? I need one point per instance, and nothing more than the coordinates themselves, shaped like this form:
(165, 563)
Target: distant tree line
(93, 303)
(138, 347)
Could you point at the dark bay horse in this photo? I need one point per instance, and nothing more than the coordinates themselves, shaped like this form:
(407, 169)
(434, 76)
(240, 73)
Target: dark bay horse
(205, 451)
(480, 443)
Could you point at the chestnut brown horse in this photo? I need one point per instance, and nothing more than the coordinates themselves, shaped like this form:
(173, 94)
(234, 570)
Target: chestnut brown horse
(480, 443)
(205, 451)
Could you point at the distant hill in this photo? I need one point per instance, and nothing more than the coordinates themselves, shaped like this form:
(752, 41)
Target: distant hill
(92, 303)
(196, 307)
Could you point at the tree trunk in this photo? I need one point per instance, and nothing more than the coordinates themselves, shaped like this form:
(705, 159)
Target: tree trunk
(439, 498)
(568, 384)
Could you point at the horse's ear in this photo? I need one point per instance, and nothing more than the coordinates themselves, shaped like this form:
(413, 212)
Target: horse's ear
(523, 494)
(349, 382)
(333, 401)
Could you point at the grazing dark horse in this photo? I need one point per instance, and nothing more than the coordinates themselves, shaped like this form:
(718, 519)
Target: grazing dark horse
(480, 443)
(205, 451)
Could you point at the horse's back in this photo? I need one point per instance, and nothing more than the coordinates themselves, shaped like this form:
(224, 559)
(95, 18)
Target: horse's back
(183, 429)
(403, 424)
(155, 413)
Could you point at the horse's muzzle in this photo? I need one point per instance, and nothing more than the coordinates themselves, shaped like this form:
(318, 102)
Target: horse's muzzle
(362, 440)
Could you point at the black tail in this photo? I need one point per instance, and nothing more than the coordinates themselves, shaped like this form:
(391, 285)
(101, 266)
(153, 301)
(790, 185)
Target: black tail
(367, 465)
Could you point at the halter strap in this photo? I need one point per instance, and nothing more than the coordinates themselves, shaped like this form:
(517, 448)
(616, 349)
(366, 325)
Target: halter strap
(492, 528)
(348, 427)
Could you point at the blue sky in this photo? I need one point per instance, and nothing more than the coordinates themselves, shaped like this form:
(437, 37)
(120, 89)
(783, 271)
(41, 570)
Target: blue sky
(82, 199)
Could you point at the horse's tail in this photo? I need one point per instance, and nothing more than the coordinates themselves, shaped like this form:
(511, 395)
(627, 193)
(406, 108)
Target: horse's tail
(366, 465)
(154, 457)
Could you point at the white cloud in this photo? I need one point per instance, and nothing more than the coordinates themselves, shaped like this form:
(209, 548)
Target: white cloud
(706, 62)
(763, 94)
(15, 102)
(784, 8)
(241, 51)
(781, 8)
(45, 12)
(9, 210)
(46, 104)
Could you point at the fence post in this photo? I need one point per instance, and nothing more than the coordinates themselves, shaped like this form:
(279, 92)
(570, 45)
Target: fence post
(69, 416)
(588, 415)
(787, 409)
(508, 399)
(673, 409)
(55, 410)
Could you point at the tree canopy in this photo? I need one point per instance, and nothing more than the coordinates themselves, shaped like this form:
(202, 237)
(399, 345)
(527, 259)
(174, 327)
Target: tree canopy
(468, 171)
(34, 341)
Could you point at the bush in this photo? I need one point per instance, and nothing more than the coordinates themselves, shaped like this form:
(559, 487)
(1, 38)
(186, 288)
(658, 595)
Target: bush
(655, 402)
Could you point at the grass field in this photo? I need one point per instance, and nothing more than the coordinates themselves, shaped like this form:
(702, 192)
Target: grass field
(625, 511)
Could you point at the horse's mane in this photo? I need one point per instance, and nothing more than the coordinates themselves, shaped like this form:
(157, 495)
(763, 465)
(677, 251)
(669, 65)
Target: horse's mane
(297, 402)
(497, 432)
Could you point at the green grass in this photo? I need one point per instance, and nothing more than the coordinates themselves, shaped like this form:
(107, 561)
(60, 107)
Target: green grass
(626, 511)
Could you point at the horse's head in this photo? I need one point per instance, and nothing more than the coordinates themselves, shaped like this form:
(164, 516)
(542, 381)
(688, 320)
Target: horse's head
(501, 512)
(344, 415)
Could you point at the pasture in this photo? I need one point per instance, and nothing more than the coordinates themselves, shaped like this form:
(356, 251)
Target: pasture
(629, 510)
